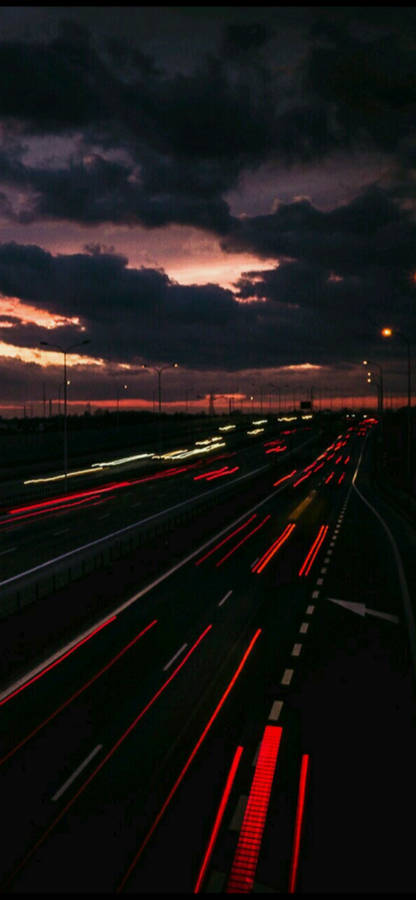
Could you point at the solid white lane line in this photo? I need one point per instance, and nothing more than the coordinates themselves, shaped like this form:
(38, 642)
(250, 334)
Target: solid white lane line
(225, 598)
(143, 591)
(407, 603)
(296, 649)
(315, 595)
(319, 580)
(10, 550)
(304, 627)
(76, 773)
(57, 533)
(287, 676)
(275, 710)
(174, 657)
(310, 610)
(162, 512)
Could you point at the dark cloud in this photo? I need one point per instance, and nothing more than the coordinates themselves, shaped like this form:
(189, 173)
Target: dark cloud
(369, 84)
(299, 311)
(143, 141)
(189, 136)
(371, 231)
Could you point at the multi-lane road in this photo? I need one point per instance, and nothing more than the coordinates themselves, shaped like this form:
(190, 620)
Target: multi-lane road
(242, 717)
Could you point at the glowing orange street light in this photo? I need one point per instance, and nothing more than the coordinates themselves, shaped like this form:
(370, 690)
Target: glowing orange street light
(387, 332)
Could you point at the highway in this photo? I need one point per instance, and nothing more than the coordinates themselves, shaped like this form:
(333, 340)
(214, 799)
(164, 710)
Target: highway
(128, 493)
(239, 718)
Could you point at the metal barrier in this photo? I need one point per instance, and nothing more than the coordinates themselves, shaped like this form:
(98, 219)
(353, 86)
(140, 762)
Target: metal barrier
(54, 575)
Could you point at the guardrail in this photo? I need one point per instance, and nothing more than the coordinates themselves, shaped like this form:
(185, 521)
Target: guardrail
(49, 577)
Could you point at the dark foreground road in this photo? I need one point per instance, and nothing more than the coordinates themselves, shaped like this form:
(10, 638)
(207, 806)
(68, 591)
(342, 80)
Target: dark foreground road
(239, 671)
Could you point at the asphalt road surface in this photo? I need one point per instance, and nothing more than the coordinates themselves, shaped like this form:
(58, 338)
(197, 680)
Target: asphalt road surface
(244, 723)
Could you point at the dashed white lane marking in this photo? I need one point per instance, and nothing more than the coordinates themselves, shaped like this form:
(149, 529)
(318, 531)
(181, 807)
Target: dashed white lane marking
(10, 550)
(310, 610)
(77, 771)
(254, 563)
(275, 710)
(287, 676)
(304, 627)
(105, 516)
(296, 649)
(319, 580)
(332, 543)
(225, 598)
(57, 533)
(323, 570)
(237, 819)
(315, 595)
(174, 657)
(326, 560)
(329, 552)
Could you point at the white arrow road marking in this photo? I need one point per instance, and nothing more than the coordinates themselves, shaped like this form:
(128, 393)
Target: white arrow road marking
(364, 610)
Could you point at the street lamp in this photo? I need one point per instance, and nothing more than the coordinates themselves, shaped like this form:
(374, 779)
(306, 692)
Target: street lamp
(387, 333)
(65, 350)
(118, 401)
(159, 370)
(380, 386)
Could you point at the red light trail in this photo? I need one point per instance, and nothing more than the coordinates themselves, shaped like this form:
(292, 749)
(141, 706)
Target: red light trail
(77, 693)
(246, 856)
(314, 550)
(56, 661)
(267, 556)
(228, 538)
(245, 538)
(298, 822)
(275, 483)
(108, 755)
(218, 818)
(189, 760)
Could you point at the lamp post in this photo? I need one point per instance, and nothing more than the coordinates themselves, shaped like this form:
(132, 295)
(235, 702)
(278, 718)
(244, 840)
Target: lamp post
(372, 379)
(387, 333)
(118, 401)
(380, 385)
(159, 370)
(65, 350)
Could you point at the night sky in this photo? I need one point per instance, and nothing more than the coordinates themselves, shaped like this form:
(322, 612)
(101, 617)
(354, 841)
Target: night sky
(230, 189)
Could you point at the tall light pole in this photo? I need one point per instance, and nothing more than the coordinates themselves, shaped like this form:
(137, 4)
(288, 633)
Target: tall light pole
(387, 333)
(65, 350)
(380, 385)
(159, 370)
(118, 401)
